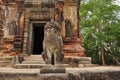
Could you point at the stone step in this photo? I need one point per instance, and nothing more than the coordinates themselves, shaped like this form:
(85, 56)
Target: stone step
(29, 66)
(35, 66)
(33, 62)
(34, 58)
(87, 65)
(39, 66)
(53, 69)
(5, 63)
(6, 58)
(77, 60)
(36, 62)
(84, 62)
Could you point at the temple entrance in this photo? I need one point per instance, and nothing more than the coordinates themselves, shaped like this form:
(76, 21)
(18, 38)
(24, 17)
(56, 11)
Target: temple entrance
(38, 36)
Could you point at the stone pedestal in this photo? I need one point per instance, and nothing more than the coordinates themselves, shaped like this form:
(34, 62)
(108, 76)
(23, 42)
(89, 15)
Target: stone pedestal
(53, 72)
(52, 69)
(54, 76)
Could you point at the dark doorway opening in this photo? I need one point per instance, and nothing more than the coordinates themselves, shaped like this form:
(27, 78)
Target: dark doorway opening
(38, 36)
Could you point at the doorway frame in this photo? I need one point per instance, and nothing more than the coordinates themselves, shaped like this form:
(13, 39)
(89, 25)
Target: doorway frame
(31, 35)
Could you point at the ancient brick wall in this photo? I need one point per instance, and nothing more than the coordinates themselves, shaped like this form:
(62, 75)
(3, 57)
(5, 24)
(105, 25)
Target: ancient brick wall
(2, 17)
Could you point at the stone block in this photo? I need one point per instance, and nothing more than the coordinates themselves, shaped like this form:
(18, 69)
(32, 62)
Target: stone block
(52, 69)
(18, 76)
(84, 62)
(5, 63)
(74, 76)
(29, 66)
(33, 62)
(54, 76)
(80, 60)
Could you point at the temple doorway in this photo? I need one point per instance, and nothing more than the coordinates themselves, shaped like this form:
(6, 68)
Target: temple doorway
(38, 36)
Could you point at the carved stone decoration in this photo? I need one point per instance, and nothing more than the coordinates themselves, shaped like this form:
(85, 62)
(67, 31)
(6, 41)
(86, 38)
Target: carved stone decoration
(39, 15)
(52, 44)
(68, 28)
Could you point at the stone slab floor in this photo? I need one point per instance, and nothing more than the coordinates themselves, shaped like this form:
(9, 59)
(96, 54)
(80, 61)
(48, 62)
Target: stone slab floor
(88, 73)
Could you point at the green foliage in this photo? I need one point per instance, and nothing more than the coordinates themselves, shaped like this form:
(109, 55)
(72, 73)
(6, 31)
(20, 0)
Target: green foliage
(100, 26)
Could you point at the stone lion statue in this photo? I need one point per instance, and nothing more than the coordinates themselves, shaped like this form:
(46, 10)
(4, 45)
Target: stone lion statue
(52, 44)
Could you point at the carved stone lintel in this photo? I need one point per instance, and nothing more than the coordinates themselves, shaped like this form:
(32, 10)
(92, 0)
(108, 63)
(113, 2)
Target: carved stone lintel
(39, 15)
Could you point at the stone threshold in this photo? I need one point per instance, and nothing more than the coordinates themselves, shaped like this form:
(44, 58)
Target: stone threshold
(90, 73)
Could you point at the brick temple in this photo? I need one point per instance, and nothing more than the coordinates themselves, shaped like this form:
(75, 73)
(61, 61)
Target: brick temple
(23, 24)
